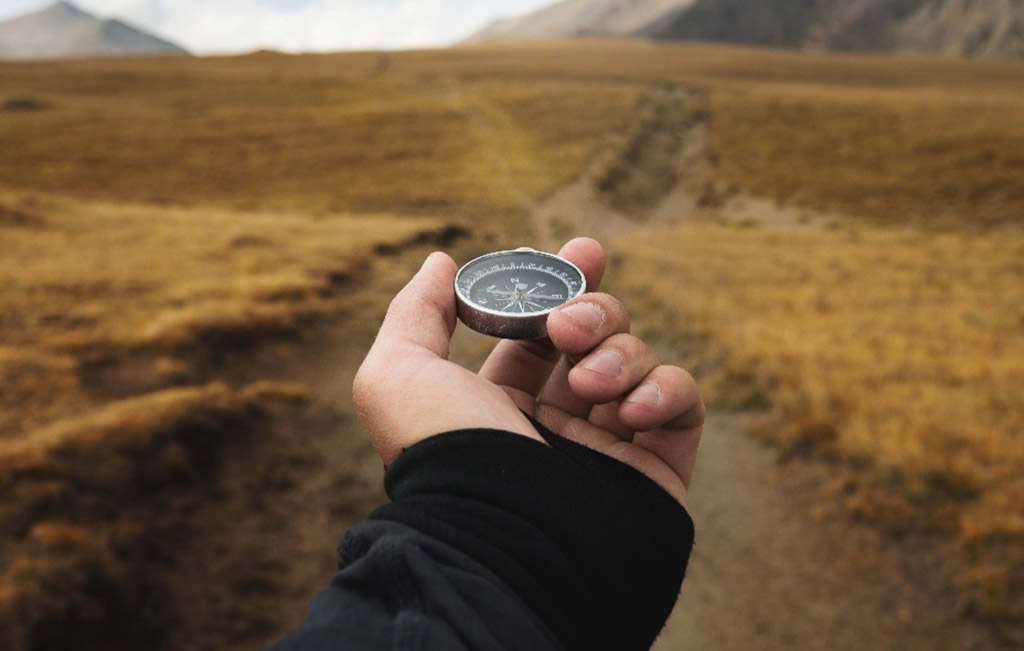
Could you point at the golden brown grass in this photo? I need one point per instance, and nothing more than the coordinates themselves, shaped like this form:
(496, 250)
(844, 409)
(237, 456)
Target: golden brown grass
(898, 156)
(321, 134)
(100, 278)
(897, 353)
(478, 132)
(83, 497)
(87, 453)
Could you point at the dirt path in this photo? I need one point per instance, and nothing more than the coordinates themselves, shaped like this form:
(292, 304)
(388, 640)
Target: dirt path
(776, 566)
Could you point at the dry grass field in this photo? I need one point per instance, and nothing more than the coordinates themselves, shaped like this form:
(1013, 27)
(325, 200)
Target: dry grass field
(84, 282)
(115, 318)
(895, 353)
(155, 213)
(360, 132)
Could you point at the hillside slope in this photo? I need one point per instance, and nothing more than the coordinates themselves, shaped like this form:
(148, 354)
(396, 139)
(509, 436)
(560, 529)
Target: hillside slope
(976, 28)
(990, 28)
(64, 31)
(581, 18)
(966, 27)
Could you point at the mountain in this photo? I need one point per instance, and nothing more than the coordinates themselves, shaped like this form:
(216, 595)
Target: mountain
(991, 28)
(581, 18)
(982, 28)
(779, 23)
(63, 31)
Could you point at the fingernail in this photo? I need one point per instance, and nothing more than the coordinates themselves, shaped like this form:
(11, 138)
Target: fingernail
(606, 362)
(647, 394)
(588, 315)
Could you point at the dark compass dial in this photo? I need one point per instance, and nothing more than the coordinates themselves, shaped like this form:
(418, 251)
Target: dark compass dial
(510, 293)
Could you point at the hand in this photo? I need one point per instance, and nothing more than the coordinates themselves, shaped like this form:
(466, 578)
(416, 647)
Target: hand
(589, 380)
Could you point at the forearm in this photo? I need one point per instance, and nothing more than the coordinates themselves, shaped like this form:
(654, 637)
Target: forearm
(500, 541)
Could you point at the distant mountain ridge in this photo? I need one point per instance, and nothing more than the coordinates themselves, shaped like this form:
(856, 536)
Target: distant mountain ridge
(581, 18)
(978, 28)
(62, 30)
(984, 28)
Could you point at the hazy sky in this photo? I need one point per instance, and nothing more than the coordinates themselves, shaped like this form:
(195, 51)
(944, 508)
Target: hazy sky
(226, 26)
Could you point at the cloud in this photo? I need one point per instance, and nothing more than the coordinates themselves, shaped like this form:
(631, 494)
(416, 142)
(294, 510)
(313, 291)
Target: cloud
(228, 26)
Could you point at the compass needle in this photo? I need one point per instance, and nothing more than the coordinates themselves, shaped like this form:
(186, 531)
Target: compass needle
(528, 284)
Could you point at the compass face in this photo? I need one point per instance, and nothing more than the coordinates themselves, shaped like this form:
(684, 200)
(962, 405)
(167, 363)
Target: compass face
(510, 293)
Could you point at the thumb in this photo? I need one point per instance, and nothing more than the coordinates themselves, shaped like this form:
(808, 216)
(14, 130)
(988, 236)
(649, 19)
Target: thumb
(402, 392)
(422, 315)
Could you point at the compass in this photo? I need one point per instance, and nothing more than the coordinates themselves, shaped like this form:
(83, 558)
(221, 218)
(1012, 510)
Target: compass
(509, 294)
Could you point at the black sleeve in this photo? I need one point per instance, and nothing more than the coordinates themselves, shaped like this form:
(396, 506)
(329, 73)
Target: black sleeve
(496, 541)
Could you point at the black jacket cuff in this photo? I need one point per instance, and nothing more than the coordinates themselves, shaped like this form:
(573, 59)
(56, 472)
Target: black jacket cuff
(593, 546)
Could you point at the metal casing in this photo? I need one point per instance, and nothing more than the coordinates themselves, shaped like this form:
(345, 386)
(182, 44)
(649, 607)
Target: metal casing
(507, 325)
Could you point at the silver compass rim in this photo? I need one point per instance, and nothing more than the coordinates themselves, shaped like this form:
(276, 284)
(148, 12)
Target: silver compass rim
(523, 315)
